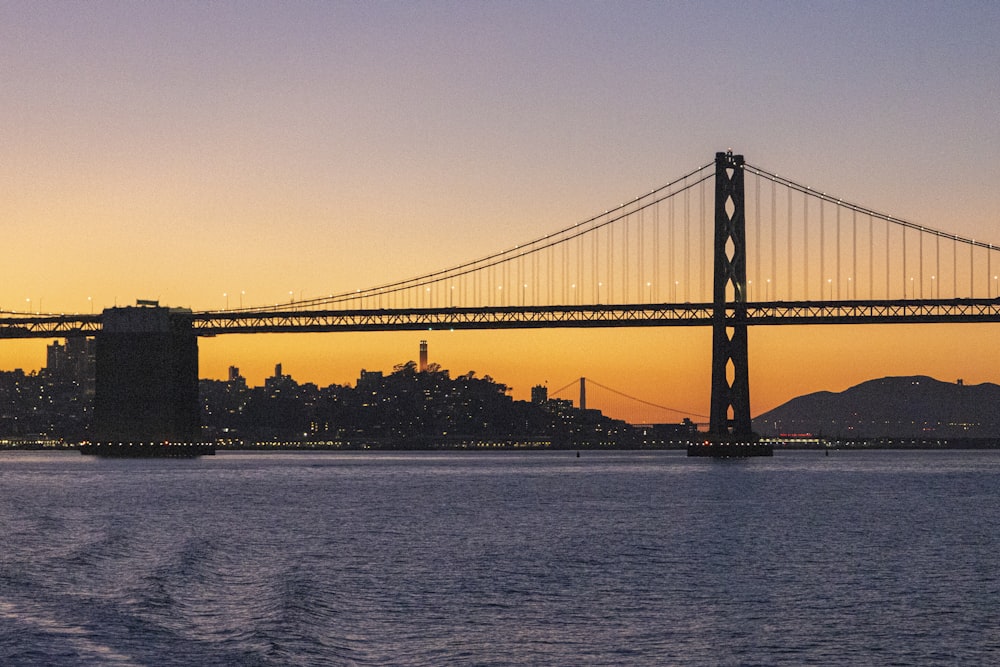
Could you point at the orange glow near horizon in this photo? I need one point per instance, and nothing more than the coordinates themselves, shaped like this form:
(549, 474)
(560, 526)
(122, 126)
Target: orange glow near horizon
(666, 366)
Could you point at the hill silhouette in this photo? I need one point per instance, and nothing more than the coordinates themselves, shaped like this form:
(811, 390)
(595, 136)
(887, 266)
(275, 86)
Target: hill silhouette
(891, 407)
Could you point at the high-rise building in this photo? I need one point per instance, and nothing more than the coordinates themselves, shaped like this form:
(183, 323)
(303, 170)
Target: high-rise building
(72, 362)
(369, 381)
(55, 358)
(539, 394)
(423, 356)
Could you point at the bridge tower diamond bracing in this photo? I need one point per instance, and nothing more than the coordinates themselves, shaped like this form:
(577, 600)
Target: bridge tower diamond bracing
(730, 432)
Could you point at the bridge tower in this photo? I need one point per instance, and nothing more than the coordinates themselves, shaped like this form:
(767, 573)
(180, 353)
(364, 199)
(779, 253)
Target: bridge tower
(730, 432)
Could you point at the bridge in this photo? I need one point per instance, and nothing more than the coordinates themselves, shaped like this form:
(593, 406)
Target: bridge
(727, 245)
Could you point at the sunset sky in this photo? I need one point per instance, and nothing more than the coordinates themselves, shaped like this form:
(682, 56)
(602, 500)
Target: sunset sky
(181, 151)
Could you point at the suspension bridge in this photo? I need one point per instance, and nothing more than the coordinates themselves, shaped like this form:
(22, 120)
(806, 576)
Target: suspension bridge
(727, 245)
(614, 401)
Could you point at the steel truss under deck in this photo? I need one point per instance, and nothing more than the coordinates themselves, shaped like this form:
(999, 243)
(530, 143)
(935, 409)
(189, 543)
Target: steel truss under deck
(530, 317)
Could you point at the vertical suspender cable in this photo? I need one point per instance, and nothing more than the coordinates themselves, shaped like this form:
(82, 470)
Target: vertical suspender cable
(603, 280)
(656, 251)
(905, 272)
(954, 268)
(535, 279)
(520, 277)
(565, 271)
(805, 240)
(920, 261)
(566, 263)
(774, 234)
(854, 254)
(703, 295)
(505, 295)
(887, 294)
(972, 271)
(936, 285)
(871, 257)
(687, 244)
(641, 253)
(611, 261)
(625, 262)
(672, 251)
(595, 251)
(549, 281)
(822, 250)
(838, 251)
(788, 284)
(756, 224)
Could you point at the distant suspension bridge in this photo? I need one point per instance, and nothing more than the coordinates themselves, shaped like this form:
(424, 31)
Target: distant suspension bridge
(618, 403)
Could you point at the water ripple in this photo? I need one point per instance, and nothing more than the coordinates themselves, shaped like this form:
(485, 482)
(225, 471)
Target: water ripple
(456, 559)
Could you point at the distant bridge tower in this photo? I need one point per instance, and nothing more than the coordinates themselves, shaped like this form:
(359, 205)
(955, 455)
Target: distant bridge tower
(583, 393)
(730, 432)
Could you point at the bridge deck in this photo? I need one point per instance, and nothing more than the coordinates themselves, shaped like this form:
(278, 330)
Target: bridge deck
(531, 317)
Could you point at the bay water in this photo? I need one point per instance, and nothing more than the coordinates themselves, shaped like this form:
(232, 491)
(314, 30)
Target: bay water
(499, 558)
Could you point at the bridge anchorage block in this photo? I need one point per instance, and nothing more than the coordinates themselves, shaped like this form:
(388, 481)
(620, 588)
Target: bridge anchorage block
(146, 385)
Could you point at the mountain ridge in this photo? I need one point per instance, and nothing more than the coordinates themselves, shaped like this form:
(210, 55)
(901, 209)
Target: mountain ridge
(915, 406)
